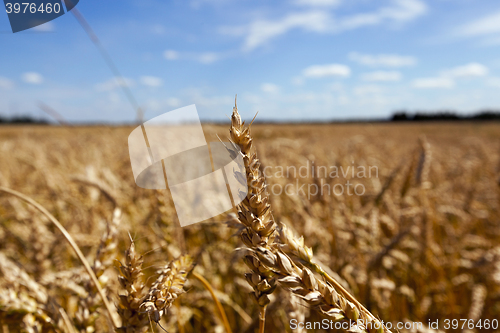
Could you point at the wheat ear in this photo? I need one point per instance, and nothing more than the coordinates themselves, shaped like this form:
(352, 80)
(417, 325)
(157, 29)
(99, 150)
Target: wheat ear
(167, 287)
(254, 212)
(130, 278)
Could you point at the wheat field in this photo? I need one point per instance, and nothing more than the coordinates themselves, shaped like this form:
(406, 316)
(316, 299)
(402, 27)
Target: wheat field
(414, 238)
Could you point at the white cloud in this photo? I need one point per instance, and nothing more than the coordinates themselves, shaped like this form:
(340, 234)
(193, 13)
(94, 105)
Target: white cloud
(489, 24)
(327, 70)
(319, 3)
(32, 78)
(405, 10)
(383, 60)
(114, 83)
(269, 88)
(468, 70)
(171, 55)
(151, 81)
(447, 78)
(358, 21)
(5, 83)
(46, 27)
(261, 31)
(401, 11)
(433, 83)
(382, 76)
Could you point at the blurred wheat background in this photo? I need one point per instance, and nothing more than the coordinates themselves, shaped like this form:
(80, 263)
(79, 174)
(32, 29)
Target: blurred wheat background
(422, 243)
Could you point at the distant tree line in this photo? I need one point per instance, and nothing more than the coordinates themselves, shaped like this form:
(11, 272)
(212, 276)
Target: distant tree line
(444, 116)
(399, 116)
(22, 120)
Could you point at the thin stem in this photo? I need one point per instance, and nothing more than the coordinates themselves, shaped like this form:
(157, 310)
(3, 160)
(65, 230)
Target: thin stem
(67, 321)
(179, 324)
(72, 243)
(262, 318)
(207, 285)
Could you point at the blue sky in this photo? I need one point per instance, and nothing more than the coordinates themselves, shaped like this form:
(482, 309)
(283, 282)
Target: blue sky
(289, 60)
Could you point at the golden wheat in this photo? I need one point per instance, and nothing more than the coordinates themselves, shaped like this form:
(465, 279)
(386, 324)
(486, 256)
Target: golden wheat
(420, 245)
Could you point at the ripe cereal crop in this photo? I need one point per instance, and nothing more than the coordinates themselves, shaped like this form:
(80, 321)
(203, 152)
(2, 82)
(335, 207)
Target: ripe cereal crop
(380, 223)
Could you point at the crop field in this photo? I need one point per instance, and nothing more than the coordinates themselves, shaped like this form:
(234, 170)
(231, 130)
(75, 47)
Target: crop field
(400, 224)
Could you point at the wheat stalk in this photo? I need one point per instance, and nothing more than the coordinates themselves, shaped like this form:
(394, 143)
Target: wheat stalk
(168, 286)
(87, 312)
(75, 247)
(254, 212)
(134, 320)
(268, 260)
(222, 313)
